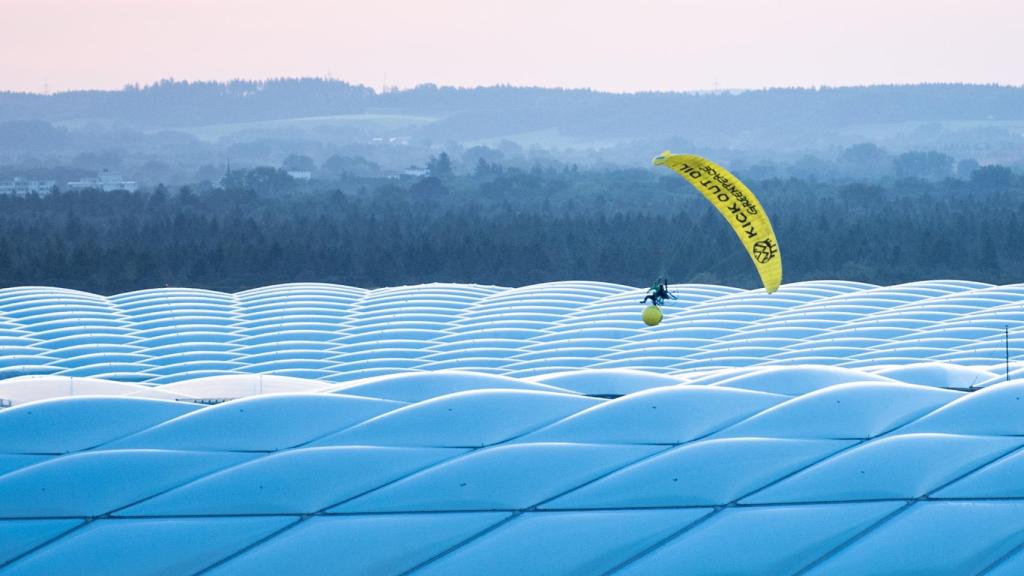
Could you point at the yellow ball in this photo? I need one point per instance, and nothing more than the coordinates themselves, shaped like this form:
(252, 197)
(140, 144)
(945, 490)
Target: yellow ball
(652, 316)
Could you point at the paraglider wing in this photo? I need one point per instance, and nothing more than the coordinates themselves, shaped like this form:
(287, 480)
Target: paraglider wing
(740, 208)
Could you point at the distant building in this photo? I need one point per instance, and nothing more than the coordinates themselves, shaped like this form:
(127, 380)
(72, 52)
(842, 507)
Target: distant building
(415, 172)
(25, 186)
(105, 181)
(300, 174)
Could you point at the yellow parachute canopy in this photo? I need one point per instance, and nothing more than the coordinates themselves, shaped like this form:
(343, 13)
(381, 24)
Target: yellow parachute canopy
(738, 205)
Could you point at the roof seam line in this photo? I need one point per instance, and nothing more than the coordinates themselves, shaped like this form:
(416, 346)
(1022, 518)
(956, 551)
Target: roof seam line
(855, 538)
(250, 546)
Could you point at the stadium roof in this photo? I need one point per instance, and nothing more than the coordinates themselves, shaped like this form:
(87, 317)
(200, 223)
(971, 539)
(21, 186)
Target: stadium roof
(832, 428)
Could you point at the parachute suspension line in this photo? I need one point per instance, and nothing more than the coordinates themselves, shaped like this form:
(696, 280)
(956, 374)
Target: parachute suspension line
(676, 251)
(1006, 340)
(666, 262)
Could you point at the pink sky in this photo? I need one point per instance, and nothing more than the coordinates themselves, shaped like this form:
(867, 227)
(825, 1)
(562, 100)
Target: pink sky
(620, 45)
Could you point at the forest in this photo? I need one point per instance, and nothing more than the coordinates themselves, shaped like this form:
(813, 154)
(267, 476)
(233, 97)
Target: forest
(505, 226)
(470, 112)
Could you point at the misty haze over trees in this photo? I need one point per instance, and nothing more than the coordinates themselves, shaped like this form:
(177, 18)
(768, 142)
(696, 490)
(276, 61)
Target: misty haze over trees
(245, 184)
(183, 133)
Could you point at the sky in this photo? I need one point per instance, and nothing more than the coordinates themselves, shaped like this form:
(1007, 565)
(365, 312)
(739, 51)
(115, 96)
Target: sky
(608, 45)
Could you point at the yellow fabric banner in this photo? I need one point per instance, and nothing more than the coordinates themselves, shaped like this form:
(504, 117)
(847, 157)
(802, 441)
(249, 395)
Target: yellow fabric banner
(740, 208)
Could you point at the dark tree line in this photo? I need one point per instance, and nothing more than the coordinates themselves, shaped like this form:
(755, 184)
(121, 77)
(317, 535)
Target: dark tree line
(507, 227)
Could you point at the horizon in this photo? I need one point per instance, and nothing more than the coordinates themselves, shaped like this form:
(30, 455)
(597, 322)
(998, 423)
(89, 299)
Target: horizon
(379, 91)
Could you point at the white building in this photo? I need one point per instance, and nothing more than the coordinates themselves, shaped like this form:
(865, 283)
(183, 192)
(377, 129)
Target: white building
(24, 186)
(415, 172)
(105, 181)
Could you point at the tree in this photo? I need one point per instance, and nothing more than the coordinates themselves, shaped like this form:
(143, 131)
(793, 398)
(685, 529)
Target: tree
(298, 163)
(429, 187)
(158, 198)
(340, 166)
(485, 169)
(474, 155)
(5, 257)
(811, 167)
(440, 166)
(924, 165)
(209, 173)
(860, 193)
(760, 171)
(992, 176)
(966, 167)
(865, 161)
(261, 179)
